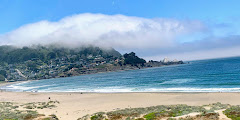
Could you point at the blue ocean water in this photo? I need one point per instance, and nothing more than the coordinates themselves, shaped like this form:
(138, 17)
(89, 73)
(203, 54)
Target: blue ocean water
(215, 75)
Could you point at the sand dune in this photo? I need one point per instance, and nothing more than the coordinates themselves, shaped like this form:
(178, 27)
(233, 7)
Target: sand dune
(76, 105)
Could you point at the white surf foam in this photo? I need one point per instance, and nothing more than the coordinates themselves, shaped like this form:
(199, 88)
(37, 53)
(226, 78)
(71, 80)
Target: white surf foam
(50, 88)
(177, 81)
(117, 90)
(20, 87)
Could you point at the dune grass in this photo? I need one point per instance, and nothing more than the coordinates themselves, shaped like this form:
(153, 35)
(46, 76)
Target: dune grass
(148, 113)
(162, 111)
(40, 105)
(10, 111)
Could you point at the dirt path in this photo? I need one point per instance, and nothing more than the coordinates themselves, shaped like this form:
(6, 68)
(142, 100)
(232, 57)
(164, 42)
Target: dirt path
(221, 115)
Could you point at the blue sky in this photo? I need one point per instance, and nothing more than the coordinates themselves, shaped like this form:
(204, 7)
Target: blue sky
(192, 24)
(15, 13)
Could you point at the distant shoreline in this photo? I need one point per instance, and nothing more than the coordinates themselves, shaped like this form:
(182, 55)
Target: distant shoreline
(15, 82)
(117, 70)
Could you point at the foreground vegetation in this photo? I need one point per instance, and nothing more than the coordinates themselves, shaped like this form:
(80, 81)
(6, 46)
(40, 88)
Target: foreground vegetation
(28, 111)
(233, 112)
(14, 111)
(167, 112)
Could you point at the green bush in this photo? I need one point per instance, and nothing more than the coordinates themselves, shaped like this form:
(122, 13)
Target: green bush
(233, 112)
(150, 116)
(3, 73)
(98, 116)
(2, 78)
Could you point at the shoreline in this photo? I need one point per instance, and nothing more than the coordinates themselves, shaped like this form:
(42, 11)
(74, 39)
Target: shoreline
(120, 92)
(117, 70)
(120, 70)
(90, 92)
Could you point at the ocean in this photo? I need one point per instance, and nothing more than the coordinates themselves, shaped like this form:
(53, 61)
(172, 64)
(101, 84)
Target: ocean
(214, 75)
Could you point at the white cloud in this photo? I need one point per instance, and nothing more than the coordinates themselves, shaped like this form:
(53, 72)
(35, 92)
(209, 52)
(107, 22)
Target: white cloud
(150, 38)
(117, 31)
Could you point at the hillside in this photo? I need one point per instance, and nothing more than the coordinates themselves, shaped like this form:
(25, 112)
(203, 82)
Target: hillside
(44, 62)
(11, 54)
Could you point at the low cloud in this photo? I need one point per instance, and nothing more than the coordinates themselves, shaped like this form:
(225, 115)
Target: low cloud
(200, 54)
(117, 31)
(207, 48)
(150, 38)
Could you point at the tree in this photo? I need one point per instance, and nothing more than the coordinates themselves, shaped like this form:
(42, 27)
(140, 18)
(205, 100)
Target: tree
(51, 55)
(2, 78)
(32, 66)
(3, 73)
(132, 59)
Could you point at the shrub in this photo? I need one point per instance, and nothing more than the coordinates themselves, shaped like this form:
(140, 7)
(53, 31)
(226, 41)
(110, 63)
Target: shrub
(150, 116)
(97, 116)
(233, 112)
(2, 78)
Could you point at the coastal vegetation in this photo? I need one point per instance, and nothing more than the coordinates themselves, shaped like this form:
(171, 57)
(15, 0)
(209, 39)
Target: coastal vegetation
(29, 111)
(3, 75)
(44, 62)
(11, 54)
(40, 105)
(132, 59)
(2, 78)
(233, 112)
(14, 111)
(168, 112)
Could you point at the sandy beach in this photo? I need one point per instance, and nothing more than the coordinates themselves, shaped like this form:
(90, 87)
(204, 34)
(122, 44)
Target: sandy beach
(76, 105)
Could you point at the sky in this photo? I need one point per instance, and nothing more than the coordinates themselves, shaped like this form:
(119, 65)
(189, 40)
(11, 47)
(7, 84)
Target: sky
(154, 29)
